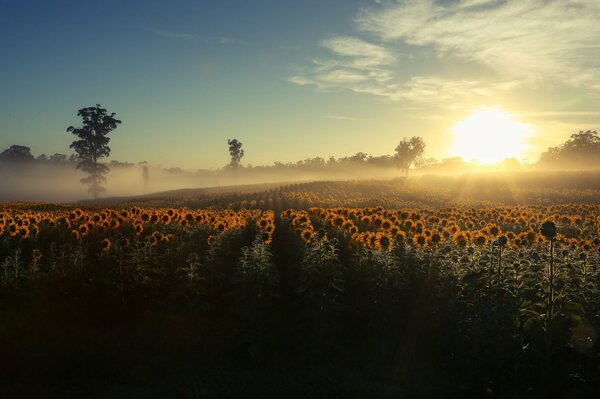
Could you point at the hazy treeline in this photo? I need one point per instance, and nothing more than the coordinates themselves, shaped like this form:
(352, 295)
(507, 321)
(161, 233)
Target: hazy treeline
(54, 177)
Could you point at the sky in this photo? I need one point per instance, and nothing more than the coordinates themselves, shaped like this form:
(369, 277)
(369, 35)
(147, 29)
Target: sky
(295, 79)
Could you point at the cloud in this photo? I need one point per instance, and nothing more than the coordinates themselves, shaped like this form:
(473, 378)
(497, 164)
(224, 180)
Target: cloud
(189, 36)
(543, 114)
(342, 118)
(174, 35)
(359, 64)
(503, 45)
(536, 40)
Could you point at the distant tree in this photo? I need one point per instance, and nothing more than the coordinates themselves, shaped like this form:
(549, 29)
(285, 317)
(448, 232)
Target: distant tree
(314, 163)
(17, 153)
(409, 152)
(236, 152)
(510, 163)
(42, 158)
(145, 177)
(120, 164)
(426, 162)
(93, 145)
(359, 157)
(58, 158)
(581, 150)
(383, 161)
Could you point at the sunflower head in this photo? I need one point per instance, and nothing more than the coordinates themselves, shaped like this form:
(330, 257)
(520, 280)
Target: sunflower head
(502, 240)
(105, 245)
(384, 242)
(548, 230)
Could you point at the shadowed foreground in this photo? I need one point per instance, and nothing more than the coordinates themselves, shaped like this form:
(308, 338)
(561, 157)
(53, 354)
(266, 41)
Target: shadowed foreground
(253, 304)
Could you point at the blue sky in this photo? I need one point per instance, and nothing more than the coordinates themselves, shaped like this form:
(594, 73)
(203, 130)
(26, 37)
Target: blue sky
(292, 79)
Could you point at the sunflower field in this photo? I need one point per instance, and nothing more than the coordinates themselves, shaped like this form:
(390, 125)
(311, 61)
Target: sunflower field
(476, 301)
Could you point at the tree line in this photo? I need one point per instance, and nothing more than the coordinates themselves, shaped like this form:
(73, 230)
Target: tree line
(92, 146)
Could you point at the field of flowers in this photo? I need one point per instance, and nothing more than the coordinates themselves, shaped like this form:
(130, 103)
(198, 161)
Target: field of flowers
(471, 301)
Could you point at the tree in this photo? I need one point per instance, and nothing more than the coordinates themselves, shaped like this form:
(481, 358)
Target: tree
(93, 145)
(581, 150)
(145, 177)
(409, 152)
(58, 158)
(17, 153)
(236, 152)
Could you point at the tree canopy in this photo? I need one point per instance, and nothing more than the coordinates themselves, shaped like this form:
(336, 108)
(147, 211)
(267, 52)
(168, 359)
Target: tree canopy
(17, 153)
(580, 150)
(236, 152)
(409, 152)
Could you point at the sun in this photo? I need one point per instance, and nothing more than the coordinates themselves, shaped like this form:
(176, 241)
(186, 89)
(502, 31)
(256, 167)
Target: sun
(490, 135)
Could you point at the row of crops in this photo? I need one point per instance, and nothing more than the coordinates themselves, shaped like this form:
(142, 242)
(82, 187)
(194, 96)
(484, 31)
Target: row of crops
(468, 297)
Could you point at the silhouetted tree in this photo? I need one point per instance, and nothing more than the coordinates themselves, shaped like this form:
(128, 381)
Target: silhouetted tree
(236, 152)
(359, 157)
(581, 150)
(93, 145)
(17, 153)
(145, 177)
(409, 152)
(74, 158)
(383, 161)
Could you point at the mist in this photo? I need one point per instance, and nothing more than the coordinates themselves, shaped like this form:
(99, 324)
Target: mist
(48, 182)
(61, 183)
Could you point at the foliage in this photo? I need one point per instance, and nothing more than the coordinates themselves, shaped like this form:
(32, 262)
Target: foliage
(16, 153)
(581, 150)
(409, 151)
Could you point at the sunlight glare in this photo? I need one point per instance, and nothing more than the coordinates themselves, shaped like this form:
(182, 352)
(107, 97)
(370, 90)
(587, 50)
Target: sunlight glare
(490, 135)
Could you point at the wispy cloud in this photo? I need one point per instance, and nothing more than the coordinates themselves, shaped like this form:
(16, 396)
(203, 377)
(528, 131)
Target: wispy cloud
(560, 113)
(190, 36)
(174, 35)
(342, 118)
(525, 39)
(511, 43)
(358, 65)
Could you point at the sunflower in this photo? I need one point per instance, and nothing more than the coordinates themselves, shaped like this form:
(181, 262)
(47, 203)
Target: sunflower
(435, 238)
(461, 240)
(386, 225)
(384, 242)
(307, 235)
(266, 238)
(105, 245)
(548, 230)
(493, 230)
(84, 229)
(480, 240)
(211, 240)
(420, 240)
